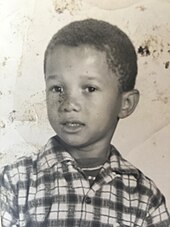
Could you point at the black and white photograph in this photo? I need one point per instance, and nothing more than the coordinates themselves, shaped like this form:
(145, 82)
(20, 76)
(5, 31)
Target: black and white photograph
(85, 113)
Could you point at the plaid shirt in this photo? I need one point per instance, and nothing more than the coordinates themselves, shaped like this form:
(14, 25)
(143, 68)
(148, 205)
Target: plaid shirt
(50, 190)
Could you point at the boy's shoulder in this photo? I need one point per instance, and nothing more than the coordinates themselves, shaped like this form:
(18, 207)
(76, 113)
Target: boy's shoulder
(49, 155)
(128, 171)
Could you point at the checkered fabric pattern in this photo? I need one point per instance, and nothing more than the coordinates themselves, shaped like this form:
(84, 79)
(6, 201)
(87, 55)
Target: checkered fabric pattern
(50, 190)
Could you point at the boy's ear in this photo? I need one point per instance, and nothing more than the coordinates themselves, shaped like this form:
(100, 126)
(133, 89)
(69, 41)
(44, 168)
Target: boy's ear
(129, 102)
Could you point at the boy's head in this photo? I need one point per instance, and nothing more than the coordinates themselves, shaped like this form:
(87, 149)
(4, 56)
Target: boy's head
(90, 70)
(120, 52)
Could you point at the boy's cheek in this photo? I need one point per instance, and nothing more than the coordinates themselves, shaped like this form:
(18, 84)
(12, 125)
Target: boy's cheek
(50, 99)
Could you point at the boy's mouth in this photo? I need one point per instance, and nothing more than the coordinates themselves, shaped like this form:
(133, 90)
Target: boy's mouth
(72, 126)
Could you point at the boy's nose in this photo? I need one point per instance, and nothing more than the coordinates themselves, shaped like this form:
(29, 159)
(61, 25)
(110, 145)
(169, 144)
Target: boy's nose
(69, 104)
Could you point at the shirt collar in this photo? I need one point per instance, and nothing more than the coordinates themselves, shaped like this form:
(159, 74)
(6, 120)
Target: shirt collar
(55, 153)
(121, 166)
(52, 154)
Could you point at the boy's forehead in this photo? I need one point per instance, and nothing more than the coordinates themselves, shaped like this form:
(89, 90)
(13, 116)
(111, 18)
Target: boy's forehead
(88, 53)
(82, 48)
(82, 60)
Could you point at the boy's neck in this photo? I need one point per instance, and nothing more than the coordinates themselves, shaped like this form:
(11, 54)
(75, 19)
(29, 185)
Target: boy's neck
(93, 162)
(98, 150)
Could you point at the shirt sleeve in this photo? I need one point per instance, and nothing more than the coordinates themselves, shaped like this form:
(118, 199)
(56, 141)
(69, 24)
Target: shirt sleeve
(158, 214)
(8, 200)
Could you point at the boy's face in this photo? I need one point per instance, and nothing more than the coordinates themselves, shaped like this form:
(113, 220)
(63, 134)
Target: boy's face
(83, 98)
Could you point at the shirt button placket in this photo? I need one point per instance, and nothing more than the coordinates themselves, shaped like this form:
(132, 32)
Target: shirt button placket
(86, 200)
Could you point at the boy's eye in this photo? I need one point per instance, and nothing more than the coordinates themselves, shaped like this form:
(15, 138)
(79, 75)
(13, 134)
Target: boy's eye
(90, 89)
(57, 89)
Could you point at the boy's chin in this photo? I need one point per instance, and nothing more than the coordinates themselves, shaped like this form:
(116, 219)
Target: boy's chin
(74, 141)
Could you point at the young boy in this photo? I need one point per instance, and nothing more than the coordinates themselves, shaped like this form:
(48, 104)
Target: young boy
(79, 178)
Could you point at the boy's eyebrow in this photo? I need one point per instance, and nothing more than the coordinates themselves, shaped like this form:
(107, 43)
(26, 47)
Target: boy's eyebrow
(90, 78)
(52, 77)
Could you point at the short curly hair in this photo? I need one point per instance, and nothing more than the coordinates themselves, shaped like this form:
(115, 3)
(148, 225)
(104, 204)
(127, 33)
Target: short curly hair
(120, 52)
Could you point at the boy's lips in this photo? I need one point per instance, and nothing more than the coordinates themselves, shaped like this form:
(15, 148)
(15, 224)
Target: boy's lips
(72, 125)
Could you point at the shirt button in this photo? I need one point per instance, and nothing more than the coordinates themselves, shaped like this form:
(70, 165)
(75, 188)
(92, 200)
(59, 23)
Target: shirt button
(71, 211)
(88, 200)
